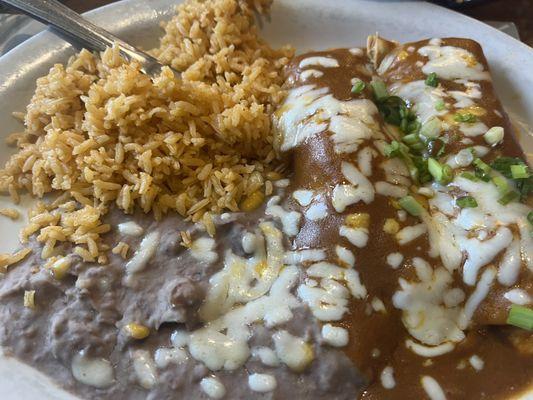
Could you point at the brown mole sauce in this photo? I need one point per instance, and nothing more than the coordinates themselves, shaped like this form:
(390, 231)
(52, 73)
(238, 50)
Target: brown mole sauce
(506, 370)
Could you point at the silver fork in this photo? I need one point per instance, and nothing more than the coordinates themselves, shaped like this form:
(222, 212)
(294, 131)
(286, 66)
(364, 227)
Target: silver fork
(70, 23)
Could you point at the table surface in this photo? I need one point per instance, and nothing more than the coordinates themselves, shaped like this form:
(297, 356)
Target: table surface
(520, 12)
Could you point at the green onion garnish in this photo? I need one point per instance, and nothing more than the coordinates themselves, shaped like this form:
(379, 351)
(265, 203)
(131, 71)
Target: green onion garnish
(521, 317)
(519, 171)
(466, 202)
(469, 176)
(482, 170)
(494, 135)
(508, 197)
(465, 117)
(522, 177)
(409, 204)
(439, 105)
(441, 173)
(431, 128)
(478, 162)
(530, 217)
(432, 80)
(392, 149)
(379, 88)
(501, 184)
(412, 138)
(358, 87)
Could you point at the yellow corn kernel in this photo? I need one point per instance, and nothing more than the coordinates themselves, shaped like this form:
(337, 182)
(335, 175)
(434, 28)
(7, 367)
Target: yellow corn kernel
(29, 299)
(402, 55)
(137, 331)
(358, 220)
(253, 201)
(391, 226)
(395, 204)
(60, 267)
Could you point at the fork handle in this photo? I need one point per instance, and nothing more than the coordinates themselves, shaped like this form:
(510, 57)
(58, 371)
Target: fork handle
(70, 23)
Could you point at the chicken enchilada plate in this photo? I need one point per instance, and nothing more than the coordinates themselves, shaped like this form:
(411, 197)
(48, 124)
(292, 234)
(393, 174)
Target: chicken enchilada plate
(348, 223)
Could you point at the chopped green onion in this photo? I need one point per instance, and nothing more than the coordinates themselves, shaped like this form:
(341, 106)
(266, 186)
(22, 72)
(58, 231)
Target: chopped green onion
(440, 105)
(432, 80)
(478, 162)
(482, 170)
(469, 176)
(379, 88)
(503, 165)
(494, 135)
(465, 117)
(442, 150)
(530, 217)
(392, 149)
(508, 197)
(519, 171)
(409, 204)
(431, 128)
(412, 138)
(358, 86)
(521, 317)
(501, 184)
(418, 147)
(522, 178)
(441, 173)
(413, 126)
(466, 202)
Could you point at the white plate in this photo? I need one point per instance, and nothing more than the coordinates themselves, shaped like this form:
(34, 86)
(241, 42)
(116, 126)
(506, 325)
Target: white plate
(307, 24)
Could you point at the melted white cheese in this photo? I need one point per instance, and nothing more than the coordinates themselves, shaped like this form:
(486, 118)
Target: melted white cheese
(303, 197)
(212, 387)
(293, 351)
(346, 257)
(308, 111)
(144, 368)
(356, 236)
(395, 260)
(310, 73)
(143, 255)
(202, 249)
(364, 160)
(424, 315)
(326, 62)
(335, 336)
(317, 211)
(304, 256)
(267, 356)
(476, 362)
(518, 296)
(130, 228)
(166, 356)
(432, 388)
(390, 190)
(95, 372)
(387, 378)
(429, 351)
(262, 383)
(450, 62)
(290, 220)
(410, 233)
(424, 98)
(477, 296)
